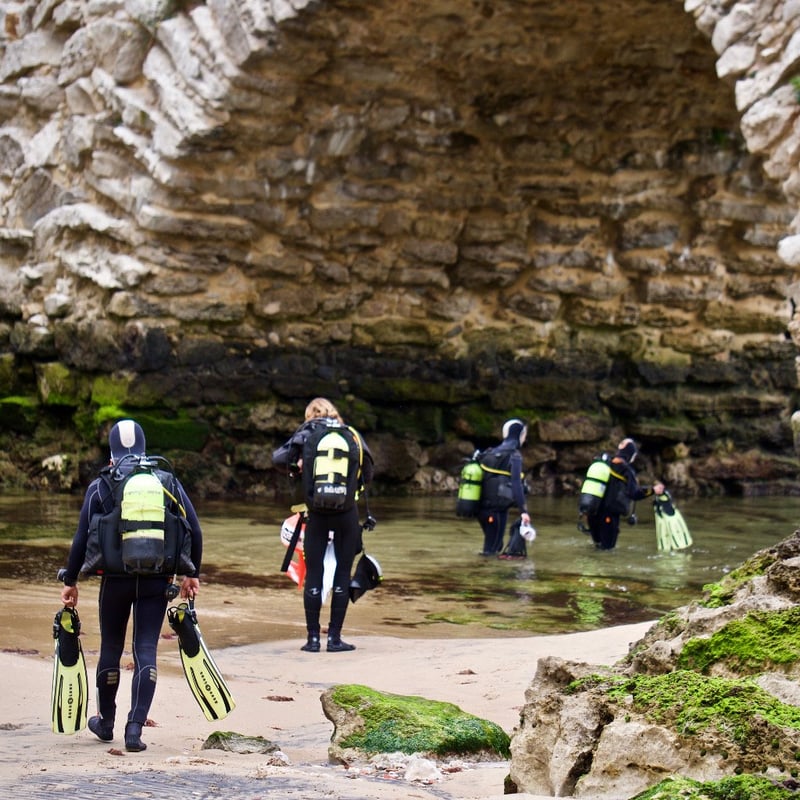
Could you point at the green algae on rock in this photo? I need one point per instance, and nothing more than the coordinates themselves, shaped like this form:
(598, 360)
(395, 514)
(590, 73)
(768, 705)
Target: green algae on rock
(369, 721)
(735, 720)
(722, 593)
(763, 640)
(737, 787)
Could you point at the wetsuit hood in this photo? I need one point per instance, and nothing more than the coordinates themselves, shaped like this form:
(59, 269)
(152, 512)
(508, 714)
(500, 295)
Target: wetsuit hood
(515, 429)
(126, 438)
(627, 450)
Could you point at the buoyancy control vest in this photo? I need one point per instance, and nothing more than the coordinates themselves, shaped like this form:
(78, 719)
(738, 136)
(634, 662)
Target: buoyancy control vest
(605, 487)
(146, 531)
(617, 500)
(332, 467)
(496, 488)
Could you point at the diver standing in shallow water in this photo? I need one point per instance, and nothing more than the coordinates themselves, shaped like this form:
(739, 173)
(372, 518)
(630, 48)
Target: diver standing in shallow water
(621, 490)
(334, 472)
(124, 596)
(502, 486)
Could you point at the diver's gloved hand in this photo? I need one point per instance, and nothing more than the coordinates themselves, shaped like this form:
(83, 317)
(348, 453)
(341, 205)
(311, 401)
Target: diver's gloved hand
(659, 488)
(369, 523)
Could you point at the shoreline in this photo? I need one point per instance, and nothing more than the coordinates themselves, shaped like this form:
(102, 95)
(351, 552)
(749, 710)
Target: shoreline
(277, 690)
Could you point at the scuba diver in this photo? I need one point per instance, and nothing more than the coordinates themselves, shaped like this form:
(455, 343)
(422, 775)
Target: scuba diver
(622, 489)
(128, 592)
(502, 486)
(335, 465)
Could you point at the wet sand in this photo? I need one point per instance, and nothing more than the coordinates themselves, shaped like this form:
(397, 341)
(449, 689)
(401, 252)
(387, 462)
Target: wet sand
(277, 689)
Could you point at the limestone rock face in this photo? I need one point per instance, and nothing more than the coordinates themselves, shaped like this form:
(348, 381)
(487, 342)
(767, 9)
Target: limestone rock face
(593, 732)
(582, 212)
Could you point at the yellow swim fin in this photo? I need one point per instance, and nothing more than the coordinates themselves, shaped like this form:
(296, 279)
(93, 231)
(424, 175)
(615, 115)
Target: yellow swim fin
(204, 678)
(672, 533)
(69, 696)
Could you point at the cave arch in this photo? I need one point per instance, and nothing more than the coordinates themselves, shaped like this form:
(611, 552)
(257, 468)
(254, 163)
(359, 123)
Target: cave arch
(600, 191)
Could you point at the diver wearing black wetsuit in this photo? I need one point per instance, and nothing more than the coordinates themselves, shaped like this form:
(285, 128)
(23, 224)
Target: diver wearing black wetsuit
(604, 525)
(121, 597)
(344, 526)
(493, 510)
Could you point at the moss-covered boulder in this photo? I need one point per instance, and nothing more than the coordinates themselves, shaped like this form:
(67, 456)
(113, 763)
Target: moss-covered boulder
(767, 640)
(742, 625)
(708, 694)
(367, 722)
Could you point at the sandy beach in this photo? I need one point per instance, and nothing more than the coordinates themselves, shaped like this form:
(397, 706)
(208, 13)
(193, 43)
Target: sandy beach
(277, 691)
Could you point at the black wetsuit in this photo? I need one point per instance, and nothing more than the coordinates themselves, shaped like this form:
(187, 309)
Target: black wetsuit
(493, 515)
(346, 532)
(124, 597)
(604, 525)
(345, 529)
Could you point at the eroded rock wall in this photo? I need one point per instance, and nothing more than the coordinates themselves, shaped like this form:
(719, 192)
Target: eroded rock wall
(439, 213)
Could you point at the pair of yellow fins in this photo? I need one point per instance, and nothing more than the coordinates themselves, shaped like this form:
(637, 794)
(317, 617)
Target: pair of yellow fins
(672, 533)
(70, 688)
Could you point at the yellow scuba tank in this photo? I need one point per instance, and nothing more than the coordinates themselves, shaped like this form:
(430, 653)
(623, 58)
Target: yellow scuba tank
(469, 488)
(594, 485)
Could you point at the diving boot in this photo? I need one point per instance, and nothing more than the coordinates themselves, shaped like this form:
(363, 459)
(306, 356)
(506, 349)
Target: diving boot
(133, 737)
(312, 645)
(101, 728)
(336, 645)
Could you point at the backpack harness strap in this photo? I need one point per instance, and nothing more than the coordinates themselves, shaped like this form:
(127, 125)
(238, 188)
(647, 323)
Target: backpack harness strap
(496, 471)
(360, 450)
(126, 525)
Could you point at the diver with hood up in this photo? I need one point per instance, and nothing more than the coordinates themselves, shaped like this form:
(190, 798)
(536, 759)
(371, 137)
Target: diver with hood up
(622, 490)
(502, 486)
(132, 596)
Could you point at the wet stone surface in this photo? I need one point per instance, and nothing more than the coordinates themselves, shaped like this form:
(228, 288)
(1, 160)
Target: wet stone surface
(197, 785)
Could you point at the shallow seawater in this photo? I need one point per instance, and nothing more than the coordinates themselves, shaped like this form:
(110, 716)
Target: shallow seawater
(435, 583)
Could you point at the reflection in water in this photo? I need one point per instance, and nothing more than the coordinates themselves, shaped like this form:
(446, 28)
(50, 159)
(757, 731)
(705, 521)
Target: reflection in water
(588, 610)
(435, 582)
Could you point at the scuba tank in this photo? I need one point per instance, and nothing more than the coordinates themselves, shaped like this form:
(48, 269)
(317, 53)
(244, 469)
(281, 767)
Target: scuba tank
(594, 485)
(469, 488)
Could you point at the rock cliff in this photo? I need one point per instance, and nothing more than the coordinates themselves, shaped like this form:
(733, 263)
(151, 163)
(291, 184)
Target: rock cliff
(709, 692)
(438, 213)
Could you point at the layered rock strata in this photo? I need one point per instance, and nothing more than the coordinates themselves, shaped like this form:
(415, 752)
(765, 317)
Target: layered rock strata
(582, 214)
